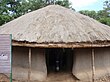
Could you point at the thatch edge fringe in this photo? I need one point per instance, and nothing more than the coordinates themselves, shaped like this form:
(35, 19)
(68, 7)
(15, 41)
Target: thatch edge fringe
(62, 45)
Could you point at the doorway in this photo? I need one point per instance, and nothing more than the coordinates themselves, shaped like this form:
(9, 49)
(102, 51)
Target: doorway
(59, 65)
(59, 60)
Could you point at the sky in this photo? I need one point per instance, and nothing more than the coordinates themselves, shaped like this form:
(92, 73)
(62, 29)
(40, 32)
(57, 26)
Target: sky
(87, 4)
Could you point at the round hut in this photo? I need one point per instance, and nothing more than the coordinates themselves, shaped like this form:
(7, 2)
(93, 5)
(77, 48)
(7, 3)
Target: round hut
(55, 39)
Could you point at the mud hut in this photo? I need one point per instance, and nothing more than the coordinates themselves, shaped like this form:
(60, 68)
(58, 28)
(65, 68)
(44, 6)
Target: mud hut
(57, 39)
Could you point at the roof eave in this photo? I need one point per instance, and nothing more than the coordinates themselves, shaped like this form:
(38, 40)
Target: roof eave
(61, 45)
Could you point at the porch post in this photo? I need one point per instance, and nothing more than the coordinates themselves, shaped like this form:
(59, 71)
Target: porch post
(29, 70)
(93, 65)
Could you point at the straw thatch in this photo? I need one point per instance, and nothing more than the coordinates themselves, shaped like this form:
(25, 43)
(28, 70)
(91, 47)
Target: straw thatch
(56, 24)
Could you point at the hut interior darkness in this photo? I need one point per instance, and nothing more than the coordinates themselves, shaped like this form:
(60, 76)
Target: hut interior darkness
(55, 39)
(59, 60)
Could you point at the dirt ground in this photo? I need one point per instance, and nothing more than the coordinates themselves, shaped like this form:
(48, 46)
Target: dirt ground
(57, 77)
(52, 77)
(60, 77)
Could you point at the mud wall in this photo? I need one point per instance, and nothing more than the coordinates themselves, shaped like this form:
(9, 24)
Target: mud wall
(20, 64)
(102, 62)
(82, 67)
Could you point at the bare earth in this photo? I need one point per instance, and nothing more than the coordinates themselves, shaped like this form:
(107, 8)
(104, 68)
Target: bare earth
(56, 77)
(52, 77)
(60, 77)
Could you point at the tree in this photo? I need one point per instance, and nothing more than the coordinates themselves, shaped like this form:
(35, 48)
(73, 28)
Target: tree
(105, 20)
(4, 19)
(107, 4)
(4, 13)
(64, 3)
(102, 16)
(107, 8)
(91, 14)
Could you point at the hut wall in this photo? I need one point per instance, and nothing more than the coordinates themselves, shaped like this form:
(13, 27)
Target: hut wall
(38, 64)
(21, 63)
(82, 67)
(102, 62)
(20, 56)
(82, 64)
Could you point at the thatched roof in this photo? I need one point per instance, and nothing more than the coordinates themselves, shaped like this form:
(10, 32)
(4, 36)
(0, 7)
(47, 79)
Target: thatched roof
(56, 24)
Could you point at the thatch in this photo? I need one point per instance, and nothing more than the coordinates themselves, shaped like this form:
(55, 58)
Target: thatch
(56, 24)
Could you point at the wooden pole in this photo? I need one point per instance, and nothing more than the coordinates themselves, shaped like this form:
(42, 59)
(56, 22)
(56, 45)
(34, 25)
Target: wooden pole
(93, 65)
(29, 70)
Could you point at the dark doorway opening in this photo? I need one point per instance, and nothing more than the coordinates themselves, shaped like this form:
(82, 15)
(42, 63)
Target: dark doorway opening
(59, 60)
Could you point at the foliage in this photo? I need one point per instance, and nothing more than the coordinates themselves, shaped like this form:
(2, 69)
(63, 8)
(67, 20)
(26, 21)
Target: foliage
(102, 16)
(91, 14)
(107, 8)
(64, 3)
(105, 20)
(4, 19)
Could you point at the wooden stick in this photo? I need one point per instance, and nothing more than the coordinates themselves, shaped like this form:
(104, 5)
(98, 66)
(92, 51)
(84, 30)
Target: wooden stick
(93, 65)
(29, 71)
